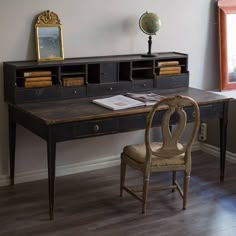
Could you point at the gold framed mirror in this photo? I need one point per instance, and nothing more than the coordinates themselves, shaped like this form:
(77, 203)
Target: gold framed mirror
(48, 37)
(227, 46)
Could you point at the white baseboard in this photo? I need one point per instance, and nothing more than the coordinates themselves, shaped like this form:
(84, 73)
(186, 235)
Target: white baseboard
(62, 170)
(4, 180)
(196, 146)
(98, 164)
(215, 151)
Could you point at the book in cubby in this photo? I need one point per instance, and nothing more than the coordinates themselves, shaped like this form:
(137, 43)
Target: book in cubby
(37, 83)
(73, 81)
(36, 73)
(167, 63)
(35, 79)
(168, 67)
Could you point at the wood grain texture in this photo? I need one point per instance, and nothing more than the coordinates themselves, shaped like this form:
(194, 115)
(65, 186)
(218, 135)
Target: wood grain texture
(72, 110)
(89, 204)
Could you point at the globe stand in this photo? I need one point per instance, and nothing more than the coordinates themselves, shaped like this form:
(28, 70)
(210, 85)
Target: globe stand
(149, 54)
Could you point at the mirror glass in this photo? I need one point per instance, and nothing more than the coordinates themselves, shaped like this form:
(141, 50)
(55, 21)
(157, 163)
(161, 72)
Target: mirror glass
(231, 46)
(227, 45)
(48, 32)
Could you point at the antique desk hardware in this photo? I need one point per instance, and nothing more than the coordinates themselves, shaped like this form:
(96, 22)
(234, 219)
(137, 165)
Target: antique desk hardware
(60, 111)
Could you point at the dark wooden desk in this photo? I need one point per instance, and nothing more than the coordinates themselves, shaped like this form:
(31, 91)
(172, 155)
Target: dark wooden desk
(64, 120)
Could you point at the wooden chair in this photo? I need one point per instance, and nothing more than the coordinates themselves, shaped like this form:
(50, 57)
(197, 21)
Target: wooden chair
(170, 155)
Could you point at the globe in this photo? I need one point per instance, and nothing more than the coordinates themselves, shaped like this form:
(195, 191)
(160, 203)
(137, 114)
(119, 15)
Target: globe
(149, 23)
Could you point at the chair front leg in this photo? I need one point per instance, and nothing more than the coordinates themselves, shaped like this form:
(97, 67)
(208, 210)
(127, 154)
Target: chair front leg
(186, 188)
(146, 177)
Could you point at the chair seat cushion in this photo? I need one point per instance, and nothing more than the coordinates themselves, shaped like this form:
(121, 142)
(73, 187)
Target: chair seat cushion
(138, 152)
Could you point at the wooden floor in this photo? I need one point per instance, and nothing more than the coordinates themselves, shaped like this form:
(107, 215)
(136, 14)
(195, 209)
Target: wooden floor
(89, 204)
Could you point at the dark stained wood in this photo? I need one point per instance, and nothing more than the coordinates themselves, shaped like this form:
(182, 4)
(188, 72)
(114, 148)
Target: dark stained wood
(105, 75)
(89, 204)
(83, 109)
(12, 146)
(223, 138)
(59, 113)
(58, 121)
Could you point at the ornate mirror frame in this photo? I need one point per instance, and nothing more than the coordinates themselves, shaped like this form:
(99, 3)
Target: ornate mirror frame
(227, 43)
(48, 37)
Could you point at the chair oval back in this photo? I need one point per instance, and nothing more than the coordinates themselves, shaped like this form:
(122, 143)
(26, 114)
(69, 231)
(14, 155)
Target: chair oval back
(171, 145)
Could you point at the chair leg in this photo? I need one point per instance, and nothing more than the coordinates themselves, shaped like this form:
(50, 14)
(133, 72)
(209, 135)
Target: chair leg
(173, 179)
(122, 175)
(186, 187)
(145, 191)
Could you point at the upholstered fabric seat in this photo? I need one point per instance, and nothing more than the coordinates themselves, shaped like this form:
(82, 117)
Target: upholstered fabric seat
(168, 155)
(138, 153)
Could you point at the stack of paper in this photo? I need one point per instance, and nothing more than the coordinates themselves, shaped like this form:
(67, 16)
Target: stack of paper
(147, 98)
(118, 102)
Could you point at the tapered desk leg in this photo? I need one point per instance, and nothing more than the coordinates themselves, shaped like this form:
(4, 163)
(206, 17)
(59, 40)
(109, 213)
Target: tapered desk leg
(12, 145)
(223, 140)
(51, 153)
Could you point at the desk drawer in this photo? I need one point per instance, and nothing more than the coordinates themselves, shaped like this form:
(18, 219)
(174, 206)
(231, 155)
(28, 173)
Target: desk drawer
(73, 92)
(86, 129)
(142, 84)
(212, 111)
(171, 81)
(207, 111)
(137, 122)
(133, 122)
(109, 88)
(36, 94)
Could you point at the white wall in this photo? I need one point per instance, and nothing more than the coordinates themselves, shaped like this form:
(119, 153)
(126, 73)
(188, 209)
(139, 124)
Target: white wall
(103, 27)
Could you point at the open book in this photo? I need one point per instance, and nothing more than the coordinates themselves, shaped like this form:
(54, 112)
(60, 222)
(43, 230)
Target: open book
(129, 100)
(118, 102)
(147, 98)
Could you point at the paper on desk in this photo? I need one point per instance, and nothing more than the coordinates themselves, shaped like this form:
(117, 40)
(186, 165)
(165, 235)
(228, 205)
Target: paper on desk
(118, 102)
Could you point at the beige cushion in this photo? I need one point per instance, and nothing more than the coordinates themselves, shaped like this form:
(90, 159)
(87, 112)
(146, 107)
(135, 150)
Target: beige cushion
(138, 152)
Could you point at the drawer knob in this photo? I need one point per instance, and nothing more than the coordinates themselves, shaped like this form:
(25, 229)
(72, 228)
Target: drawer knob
(96, 128)
(144, 85)
(74, 91)
(110, 88)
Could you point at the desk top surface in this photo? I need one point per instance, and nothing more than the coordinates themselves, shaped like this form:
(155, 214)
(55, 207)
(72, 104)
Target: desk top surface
(72, 110)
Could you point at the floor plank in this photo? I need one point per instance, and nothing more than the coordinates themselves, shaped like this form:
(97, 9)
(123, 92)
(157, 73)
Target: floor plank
(89, 204)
